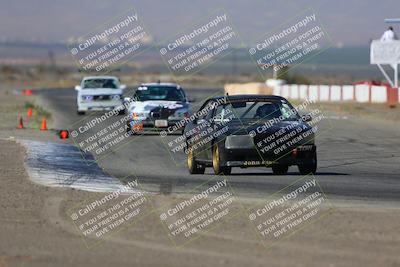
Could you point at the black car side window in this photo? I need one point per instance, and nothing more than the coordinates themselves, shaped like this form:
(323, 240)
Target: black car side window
(210, 112)
(205, 111)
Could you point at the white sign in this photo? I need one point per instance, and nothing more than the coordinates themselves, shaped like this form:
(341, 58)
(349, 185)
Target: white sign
(385, 52)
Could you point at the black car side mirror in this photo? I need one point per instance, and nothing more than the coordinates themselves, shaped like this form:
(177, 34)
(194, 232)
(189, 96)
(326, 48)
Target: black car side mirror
(306, 117)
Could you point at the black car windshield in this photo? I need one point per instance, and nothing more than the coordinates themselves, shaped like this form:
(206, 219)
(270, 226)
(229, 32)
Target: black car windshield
(100, 83)
(257, 110)
(166, 93)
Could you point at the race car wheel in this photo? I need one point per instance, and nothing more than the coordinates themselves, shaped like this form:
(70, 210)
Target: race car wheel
(280, 169)
(129, 130)
(216, 162)
(193, 166)
(80, 112)
(309, 168)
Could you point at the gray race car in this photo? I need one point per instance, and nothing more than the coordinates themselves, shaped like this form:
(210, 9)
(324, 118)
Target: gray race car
(157, 106)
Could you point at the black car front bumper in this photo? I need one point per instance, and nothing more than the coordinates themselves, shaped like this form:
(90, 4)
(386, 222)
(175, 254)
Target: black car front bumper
(239, 152)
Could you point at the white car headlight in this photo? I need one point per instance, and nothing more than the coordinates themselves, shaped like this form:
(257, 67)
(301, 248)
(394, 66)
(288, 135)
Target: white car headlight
(87, 97)
(116, 97)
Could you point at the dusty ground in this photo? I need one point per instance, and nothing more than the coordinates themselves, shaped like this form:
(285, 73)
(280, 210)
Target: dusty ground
(370, 111)
(70, 79)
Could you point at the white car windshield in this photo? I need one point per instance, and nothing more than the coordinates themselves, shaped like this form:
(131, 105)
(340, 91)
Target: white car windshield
(100, 83)
(166, 93)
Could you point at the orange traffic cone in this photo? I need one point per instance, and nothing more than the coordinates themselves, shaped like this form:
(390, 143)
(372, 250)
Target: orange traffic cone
(44, 125)
(20, 124)
(29, 112)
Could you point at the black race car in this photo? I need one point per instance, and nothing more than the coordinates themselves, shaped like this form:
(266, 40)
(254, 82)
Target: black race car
(249, 131)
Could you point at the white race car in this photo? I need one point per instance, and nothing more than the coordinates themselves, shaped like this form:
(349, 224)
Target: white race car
(99, 93)
(157, 106)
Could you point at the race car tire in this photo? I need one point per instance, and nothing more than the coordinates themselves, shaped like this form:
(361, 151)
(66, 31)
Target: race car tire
(309, 168)
(193, 166)
(129, 130)
(80, 112)
(216, 162)
(280, 169)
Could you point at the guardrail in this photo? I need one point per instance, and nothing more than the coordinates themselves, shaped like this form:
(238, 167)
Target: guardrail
(361, 93)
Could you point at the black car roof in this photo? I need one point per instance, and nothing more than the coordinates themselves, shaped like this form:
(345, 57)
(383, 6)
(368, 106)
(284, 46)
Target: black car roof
(167, 85)
(249, 97)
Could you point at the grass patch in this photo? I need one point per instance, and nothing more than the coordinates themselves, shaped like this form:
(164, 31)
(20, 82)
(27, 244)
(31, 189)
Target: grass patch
(37, 111)
(37, 114)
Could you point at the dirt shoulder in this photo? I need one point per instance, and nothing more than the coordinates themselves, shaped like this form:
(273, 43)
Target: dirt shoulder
(377, 112)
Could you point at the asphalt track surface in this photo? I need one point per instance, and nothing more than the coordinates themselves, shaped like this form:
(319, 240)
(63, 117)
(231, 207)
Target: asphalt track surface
(358, 159)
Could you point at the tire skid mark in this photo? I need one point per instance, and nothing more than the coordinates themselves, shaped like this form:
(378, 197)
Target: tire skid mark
(61, 165)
